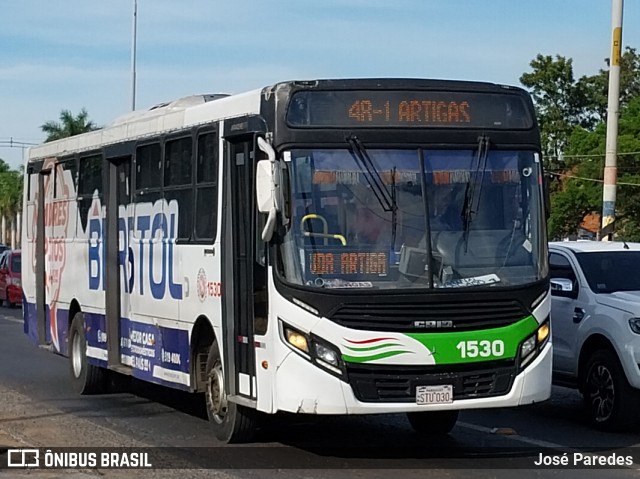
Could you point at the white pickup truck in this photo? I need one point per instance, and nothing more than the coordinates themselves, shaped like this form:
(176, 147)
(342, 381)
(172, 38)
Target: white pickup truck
(595, 324)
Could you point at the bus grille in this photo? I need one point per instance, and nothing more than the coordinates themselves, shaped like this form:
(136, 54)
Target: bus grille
(426, 316)
(371, 383)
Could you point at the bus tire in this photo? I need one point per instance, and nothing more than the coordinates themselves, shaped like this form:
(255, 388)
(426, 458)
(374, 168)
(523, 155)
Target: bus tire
(86, 378)
(231, 422)
(433, 422)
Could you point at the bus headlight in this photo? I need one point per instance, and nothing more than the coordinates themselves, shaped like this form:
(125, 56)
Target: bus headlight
(296, 339)
(314, 349)
(528, 346)
(531, 347)
(327, 355)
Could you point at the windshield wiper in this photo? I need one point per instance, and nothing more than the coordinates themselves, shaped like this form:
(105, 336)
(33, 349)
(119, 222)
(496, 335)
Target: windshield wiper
(386, 200)
(474, 188)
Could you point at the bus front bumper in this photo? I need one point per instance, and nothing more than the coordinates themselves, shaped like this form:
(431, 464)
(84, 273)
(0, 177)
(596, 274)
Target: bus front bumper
(304, 388)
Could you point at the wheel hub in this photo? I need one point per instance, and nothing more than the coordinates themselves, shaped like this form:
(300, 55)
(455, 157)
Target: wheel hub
(76, 356)
(602, 393)
(216, 397)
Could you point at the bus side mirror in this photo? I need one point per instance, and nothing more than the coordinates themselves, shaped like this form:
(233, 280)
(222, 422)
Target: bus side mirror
(267, 188)
(264, 182)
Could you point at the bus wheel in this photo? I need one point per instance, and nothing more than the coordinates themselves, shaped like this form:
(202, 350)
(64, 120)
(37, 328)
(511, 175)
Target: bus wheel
(86, 378)
(231, 422)
(433, 422)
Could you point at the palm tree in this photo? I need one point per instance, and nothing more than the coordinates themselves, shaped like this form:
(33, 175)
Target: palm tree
(4, 167)
(69, 125)
(10, 202)
(4, 201)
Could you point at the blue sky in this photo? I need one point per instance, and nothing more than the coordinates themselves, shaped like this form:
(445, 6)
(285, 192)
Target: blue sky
(70, 54)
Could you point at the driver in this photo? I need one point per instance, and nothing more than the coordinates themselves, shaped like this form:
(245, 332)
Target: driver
(370, 223)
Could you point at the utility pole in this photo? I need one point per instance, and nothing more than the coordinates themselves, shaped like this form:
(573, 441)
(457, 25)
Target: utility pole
(134, 32)
(611, 159)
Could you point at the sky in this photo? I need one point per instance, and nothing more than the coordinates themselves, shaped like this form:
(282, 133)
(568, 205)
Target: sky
(74, 54)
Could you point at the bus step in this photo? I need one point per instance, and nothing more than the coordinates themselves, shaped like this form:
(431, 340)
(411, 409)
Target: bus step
(121, 368)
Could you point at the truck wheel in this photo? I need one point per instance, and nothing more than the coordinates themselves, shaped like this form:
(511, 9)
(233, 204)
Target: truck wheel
(231, 422)
(433, 422)
(86, 378)
(610, 399)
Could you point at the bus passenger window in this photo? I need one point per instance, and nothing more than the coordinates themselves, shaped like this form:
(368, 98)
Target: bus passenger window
(148, 171)
(178, 183)
(206, 186)
(177, 162)
(89, 184)
(205, 224)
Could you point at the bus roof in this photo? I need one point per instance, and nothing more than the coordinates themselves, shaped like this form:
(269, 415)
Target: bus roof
(200, 109)
(163, 118)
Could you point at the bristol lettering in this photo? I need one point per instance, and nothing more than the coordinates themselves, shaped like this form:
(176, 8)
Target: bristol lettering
(145, 268)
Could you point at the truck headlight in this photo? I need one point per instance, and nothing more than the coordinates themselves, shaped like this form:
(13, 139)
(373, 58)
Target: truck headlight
(634, 324)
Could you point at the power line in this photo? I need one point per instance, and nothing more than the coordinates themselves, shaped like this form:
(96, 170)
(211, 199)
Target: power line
(594, 155)
(630, 168)
(560, 175)
(11, 143)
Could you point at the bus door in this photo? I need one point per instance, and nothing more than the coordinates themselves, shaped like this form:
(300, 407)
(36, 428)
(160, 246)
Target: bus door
(244, 276)
(50, 256)
(118, 259)
(38, 233)
(52, 250)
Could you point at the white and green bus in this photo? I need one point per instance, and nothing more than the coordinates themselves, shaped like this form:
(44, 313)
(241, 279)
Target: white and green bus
(317, 247)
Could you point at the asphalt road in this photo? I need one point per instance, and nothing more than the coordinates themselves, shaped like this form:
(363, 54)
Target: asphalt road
(38, 408)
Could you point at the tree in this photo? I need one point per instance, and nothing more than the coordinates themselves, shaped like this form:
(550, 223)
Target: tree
(559, 103)
(69, 125)
(563, 103)
(628, 196)
(596, 88)
(10, 198)
(580, 190)
(571, 116)
(4, 167)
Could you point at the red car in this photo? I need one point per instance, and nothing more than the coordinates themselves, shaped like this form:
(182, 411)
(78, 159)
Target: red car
(10, 278)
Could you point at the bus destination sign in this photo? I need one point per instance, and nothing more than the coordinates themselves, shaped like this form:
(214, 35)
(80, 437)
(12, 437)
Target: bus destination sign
(407, 109)
(347, 263)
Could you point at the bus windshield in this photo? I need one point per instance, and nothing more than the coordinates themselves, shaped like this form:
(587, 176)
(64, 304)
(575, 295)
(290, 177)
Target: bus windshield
(406, 219)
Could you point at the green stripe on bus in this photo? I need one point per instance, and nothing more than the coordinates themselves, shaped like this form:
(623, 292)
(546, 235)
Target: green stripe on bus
(476, 345)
